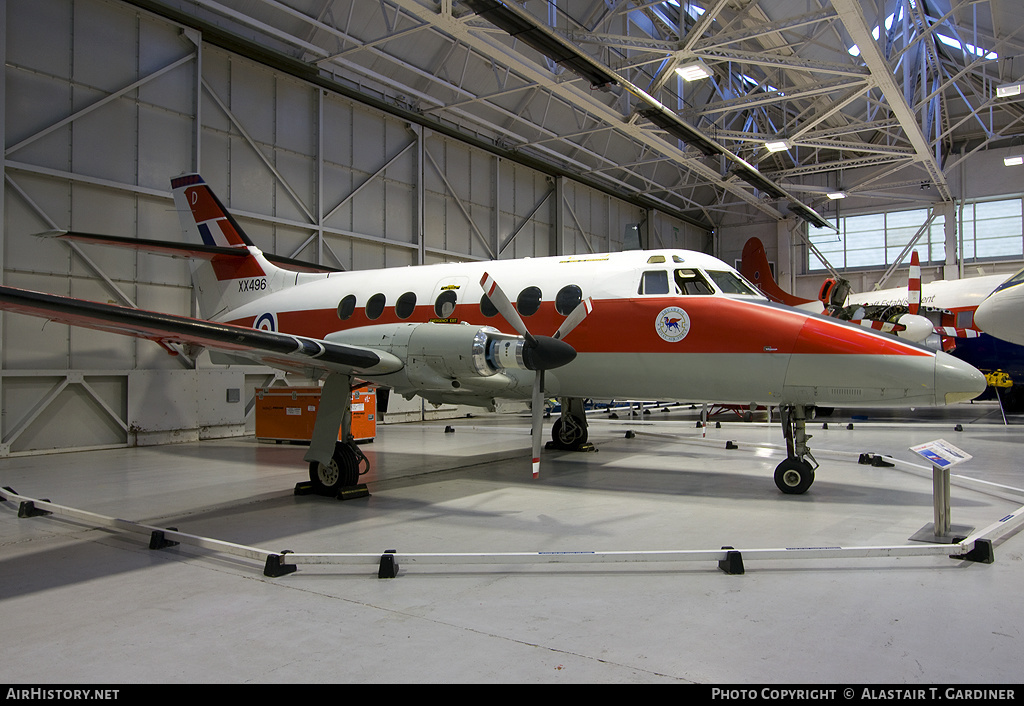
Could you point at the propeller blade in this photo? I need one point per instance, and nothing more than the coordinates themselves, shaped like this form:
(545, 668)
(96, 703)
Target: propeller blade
(504, 306)
(914, 284)
(574, 318)
(538, 419)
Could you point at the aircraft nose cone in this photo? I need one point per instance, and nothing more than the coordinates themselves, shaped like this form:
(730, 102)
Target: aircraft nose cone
(955, 380)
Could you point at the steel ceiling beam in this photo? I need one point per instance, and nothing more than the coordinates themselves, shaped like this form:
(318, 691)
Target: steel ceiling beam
(852, 17)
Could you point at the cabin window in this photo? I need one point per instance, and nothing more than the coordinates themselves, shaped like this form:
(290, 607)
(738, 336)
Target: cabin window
(567, 299)
(731, 283)
(655, 259)
(375, 306)
(347, 307)
(406, 305)
(654, 282)
(529, 301)
(692, 282)
(444, 305)
(487, 307)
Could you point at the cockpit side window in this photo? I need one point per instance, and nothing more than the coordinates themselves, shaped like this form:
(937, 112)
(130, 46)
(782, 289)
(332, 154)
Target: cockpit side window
(692, 282)
(653, 282)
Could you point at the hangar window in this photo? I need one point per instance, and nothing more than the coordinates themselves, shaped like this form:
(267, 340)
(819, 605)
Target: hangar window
(375, 306)
(406, 305)
(654, 282)
(444, 305)
(347, 307)
(567, 299)
(487, 307)
(692, 282)
(529, 301)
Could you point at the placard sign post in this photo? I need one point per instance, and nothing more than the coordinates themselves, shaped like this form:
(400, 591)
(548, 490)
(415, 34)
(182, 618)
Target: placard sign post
(943, 456)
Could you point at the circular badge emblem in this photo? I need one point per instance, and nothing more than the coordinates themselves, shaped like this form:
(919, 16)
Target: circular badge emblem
(672, 324)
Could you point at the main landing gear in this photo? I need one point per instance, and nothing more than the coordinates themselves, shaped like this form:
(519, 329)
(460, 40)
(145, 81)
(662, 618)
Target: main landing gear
(569, 432)
(346, 465)
(335, 466)
(795, 475)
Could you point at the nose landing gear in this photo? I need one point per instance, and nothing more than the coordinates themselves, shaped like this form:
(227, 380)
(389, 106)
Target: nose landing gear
(796, 474)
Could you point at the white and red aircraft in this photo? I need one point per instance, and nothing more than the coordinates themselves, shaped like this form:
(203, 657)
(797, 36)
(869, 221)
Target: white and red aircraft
(669, 324)
(942, 308)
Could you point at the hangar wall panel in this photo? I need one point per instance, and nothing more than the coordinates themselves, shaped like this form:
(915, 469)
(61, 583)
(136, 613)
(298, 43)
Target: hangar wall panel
(105, 103)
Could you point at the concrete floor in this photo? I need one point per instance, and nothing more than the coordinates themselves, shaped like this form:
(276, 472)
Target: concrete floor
(84, 605)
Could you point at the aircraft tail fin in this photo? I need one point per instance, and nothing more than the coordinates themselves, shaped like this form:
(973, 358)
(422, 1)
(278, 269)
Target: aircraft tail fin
(914, 284)
(239, 272)
(754, 266)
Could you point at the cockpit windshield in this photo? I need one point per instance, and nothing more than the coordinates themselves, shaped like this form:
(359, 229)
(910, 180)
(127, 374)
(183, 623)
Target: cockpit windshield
(695, 282)
(732, 283)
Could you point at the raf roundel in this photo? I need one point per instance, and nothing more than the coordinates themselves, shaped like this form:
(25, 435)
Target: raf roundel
(672, 324)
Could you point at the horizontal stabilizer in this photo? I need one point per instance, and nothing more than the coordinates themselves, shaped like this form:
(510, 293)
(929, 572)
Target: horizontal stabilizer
(186, 250)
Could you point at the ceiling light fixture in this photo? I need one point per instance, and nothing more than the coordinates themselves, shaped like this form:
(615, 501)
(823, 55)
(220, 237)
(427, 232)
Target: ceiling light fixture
(694, 71)
(837, 195)
(777, 145)
(1008, 90)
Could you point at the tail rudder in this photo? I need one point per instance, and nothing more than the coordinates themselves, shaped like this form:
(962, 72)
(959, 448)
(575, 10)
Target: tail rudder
(755, 267)
(202, 214)
(225, 281)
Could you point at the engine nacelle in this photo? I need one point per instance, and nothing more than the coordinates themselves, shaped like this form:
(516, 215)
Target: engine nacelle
(444, 357)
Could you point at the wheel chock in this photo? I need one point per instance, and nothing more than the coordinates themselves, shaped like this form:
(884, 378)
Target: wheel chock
(304, 488)
(732, 563)
(157, 539)
(983, 552)
(353, 491)
(275, 569)
(388, 566)
(27, 508)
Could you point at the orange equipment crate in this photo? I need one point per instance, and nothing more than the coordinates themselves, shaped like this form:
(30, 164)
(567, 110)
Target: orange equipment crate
(288, 413)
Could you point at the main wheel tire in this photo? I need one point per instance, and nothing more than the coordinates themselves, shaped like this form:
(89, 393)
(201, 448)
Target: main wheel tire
(341, 472)
(569, 436)
(794, 476)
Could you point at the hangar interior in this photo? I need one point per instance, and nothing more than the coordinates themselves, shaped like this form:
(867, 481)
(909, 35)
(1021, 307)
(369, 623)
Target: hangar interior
(363, 135)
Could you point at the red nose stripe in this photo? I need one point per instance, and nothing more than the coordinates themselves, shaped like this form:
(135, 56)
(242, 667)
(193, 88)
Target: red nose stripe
(820, 336)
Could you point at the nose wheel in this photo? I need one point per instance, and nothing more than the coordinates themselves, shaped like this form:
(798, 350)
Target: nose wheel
(796, 474)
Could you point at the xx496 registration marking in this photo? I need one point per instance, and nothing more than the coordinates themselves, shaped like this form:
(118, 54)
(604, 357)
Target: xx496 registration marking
(255, 284)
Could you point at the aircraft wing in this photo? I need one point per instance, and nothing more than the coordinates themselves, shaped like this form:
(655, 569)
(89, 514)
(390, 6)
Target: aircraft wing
(278, 350)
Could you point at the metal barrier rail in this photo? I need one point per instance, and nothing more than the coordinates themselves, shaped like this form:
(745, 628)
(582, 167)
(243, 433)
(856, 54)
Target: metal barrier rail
(976, 547)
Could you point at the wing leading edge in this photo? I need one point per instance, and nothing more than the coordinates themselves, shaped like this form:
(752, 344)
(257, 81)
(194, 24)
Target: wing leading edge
(279, 350)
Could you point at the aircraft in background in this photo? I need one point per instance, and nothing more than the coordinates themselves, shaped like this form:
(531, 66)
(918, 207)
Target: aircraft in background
(667, 324)
(942, 314)
(1002, 311)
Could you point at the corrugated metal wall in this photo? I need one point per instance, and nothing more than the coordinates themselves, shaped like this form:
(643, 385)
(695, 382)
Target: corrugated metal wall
(105, 103)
